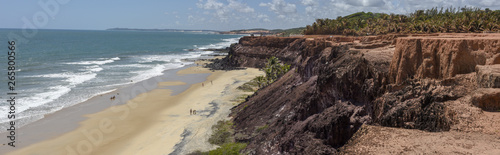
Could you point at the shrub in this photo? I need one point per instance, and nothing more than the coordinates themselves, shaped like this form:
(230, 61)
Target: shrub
(221, 133)
(228, 149)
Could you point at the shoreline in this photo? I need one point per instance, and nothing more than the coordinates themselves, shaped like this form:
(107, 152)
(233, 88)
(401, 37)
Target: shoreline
(67, 119)
(79, 138)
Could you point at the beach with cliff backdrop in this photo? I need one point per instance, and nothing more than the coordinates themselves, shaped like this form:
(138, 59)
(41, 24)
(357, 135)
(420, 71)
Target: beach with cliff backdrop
(321, 77)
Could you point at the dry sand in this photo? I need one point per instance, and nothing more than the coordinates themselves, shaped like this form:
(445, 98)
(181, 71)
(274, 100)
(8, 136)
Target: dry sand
(386, 140)
(155, 122)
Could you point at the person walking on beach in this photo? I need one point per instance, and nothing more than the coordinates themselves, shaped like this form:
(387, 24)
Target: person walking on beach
(212, 82)
(202, 85)
(190, 111)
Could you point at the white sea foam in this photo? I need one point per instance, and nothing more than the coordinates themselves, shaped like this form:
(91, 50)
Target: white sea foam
(157, 70)
(170, 58)
(39, 99)
(130, 66)
(159, 58)
(80, 78)
(72, 78)
(94, 68)
(98, 62)
(225, 43)
(105, 92)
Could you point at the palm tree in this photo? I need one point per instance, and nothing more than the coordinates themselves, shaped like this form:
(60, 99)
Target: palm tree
(260, 80)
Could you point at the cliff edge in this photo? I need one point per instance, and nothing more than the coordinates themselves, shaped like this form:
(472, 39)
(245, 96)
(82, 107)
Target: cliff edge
(343, 93)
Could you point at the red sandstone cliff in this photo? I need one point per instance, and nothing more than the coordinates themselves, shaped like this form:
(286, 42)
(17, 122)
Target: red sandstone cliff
(443, 83)
(441, 57)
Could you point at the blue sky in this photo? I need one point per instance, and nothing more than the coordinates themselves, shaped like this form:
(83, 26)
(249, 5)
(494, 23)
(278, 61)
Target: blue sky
(200, 14)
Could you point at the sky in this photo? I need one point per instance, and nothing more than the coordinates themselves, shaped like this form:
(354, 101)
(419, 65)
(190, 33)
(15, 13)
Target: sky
(220, 15)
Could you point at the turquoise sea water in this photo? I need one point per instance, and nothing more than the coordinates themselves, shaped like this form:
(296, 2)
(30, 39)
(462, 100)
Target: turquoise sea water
(60, 68)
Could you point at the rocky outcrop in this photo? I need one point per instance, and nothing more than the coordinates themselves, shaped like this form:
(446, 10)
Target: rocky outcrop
(440, 57)
(417, 106)
(316, 106)
(488, 76)
(487, 99)
(253, 51)
(337, 84)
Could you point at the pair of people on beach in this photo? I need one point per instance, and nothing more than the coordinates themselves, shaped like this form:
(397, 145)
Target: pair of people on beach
(113, 98)
(203, 84)
(192, 112)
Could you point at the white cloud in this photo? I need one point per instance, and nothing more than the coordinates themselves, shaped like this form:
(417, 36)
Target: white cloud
(488, 3)
(224, 11)
(263, 18)
(311, 6)
(236, 14)
(210, 4)
(281, 8)
(309, 2)
(240, 7)
(367, 3)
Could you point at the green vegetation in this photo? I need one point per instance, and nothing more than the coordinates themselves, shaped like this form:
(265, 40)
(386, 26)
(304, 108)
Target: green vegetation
(240, 99)
(451, 20)
(273, 69)
(222, 136)
(278, 32)
(288, 32)
(244, 107)
(228, 149)
(259, 129)
(222, 132)
(250, 86)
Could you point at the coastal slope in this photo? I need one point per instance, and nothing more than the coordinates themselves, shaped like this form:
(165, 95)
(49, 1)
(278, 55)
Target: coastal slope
(435, 83)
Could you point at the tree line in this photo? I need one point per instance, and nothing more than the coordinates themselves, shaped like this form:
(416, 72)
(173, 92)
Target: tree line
(449, 20)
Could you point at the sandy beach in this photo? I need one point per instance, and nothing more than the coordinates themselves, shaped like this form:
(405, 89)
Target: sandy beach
(155, 122)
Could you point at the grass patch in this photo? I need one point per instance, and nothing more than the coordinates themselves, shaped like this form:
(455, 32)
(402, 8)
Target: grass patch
(244, 107)
(225, 149)
(259, 129)
(250, 86)
(223, 136)
(228, 149)
(222, 132)
(242, 98)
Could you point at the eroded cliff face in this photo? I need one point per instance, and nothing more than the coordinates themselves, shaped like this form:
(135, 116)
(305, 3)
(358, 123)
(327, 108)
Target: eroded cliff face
(337, 84)
(441, 57)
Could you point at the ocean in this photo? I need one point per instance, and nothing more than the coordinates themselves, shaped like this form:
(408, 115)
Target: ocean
(60, 68)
